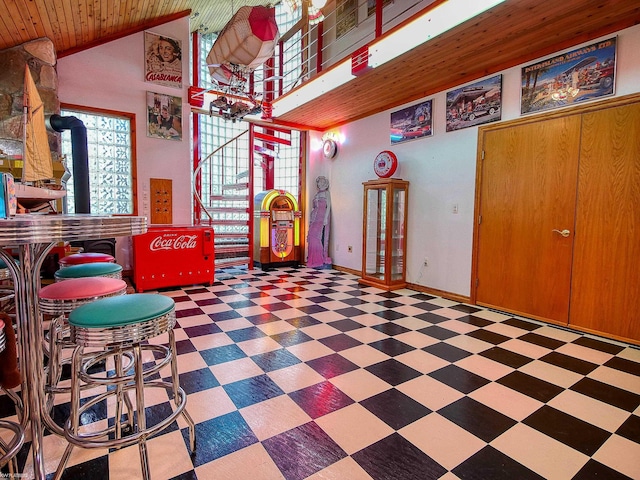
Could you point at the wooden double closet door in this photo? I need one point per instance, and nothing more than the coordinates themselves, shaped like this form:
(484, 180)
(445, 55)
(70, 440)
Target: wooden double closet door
(558, 210)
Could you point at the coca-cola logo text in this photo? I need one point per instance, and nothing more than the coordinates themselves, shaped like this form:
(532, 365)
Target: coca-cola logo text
(183, 242)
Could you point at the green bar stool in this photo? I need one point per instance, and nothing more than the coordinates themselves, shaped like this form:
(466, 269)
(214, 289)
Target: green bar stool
(96, 269)
(10, 448)
(110, 327)
(56, 302)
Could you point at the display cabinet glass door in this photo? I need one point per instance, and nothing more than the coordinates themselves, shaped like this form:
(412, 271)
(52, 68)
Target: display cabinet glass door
(384, 227)
(397, 235)
(375, 235)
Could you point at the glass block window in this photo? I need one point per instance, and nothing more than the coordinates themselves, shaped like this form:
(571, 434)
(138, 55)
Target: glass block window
(287, 167)
(111, 166)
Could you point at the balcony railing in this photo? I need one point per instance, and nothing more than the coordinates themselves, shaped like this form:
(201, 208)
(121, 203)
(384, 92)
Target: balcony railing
(306, 50)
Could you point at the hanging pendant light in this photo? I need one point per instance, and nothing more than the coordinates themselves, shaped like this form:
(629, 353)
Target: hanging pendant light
(293, 5)
(313, 8)
(315, 15)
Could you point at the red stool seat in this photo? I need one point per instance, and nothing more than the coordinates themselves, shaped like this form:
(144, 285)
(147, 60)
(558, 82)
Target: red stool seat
(88, 257)
(62, 297)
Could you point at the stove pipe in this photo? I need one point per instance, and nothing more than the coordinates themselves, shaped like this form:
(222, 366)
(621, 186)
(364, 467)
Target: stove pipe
(80, 154)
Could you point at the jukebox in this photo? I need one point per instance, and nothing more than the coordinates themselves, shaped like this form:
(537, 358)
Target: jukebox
(276, 225)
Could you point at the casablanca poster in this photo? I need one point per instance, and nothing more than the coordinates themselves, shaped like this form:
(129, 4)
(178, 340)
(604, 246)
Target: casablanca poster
(164, 116)
(576, 76)
(475, 104)
(411, 122)
(163, 60)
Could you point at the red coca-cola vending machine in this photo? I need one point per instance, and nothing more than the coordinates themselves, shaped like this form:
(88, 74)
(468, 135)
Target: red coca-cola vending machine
(173, 256)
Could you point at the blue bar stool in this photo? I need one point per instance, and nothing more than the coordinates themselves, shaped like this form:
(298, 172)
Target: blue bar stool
(96, 269)
(56, 302)
(110, 327)
(9, 450)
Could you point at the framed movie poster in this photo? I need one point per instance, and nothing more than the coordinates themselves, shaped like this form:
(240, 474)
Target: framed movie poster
(475, 104)
(163, 60)
(411, 123)
(346, 16)
(576, 76)
(164, 116)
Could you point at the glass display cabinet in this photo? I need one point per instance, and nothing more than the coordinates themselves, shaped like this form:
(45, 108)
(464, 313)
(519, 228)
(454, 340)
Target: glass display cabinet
(384, 229)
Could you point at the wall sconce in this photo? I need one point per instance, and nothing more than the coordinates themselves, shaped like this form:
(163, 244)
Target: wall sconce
(330, 141)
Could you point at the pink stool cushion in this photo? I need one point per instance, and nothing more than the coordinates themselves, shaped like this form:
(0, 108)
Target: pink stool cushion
(88, 257)
(77, 288)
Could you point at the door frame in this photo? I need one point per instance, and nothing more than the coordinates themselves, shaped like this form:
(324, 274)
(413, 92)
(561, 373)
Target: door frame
(572, 110)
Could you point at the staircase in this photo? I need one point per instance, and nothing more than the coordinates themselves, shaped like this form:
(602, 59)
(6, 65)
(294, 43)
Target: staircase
(224, 199)
(224, 189)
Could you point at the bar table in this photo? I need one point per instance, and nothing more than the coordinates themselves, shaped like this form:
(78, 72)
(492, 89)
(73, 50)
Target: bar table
(33, 236)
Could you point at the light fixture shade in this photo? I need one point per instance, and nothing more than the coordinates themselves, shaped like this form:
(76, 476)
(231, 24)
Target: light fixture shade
(318, 3)
(315, 15)
(293, 5)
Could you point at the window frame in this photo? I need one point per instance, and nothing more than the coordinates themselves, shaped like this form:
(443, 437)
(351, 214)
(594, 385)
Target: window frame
(134, 160)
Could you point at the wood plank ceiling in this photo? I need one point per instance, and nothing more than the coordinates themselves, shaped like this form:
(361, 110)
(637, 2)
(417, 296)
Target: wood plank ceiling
(513, 32)
(76, 24)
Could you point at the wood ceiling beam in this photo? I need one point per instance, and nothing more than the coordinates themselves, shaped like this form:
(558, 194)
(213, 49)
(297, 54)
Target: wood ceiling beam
(123, 33)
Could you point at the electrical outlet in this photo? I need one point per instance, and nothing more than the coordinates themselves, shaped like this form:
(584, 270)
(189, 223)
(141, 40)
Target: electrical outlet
(455, 208)
(350, 249)
(425, 263)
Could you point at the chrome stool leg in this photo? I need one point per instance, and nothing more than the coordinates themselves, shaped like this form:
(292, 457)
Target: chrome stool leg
(9, 450)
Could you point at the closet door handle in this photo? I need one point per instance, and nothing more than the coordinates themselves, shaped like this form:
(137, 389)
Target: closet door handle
(564, 233)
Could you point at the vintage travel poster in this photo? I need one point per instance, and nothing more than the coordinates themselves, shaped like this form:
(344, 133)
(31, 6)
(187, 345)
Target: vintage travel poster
(576, 76)
(163, 60)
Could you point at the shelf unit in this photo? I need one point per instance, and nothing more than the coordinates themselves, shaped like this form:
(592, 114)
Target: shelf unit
(384, 242)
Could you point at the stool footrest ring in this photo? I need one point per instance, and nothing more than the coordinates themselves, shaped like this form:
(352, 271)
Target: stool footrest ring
(163, 359)
(92, 439)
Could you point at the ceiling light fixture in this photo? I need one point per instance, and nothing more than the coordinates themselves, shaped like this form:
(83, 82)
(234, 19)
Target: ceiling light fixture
(315, 15)
(313, 9)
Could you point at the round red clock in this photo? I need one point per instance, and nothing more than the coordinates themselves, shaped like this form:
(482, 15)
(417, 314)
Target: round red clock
(385, 164)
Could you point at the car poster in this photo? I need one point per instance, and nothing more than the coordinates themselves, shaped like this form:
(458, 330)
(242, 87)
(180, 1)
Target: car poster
(576, 76)
(411, 122)
(475, 104)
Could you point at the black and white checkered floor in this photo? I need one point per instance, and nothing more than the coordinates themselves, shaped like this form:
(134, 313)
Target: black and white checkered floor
(302, 373)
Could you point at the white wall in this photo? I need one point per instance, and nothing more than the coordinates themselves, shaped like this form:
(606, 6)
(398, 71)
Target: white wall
(441, 170)
(111, 76)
